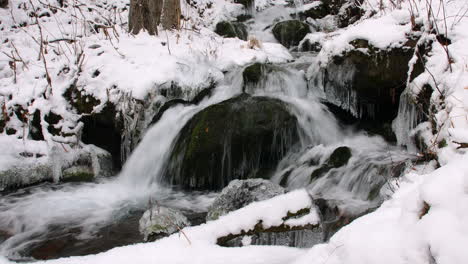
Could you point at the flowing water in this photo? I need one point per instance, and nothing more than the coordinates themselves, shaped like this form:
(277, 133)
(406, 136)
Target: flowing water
(29, 216)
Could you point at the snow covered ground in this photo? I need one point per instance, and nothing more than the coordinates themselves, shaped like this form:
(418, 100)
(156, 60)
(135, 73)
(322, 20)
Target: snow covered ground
(423, 222)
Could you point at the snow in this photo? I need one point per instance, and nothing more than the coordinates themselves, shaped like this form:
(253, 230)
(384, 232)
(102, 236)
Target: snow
(400, 231)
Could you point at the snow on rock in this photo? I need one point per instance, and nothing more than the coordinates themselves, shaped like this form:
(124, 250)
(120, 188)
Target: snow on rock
(160, 221)
(26, 162)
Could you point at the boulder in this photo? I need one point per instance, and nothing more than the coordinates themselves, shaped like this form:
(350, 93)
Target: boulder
(159, 222)
(338, 158)
(240, 138)
(240, 193)
(367, 81)
(231, 30)
(290, 32)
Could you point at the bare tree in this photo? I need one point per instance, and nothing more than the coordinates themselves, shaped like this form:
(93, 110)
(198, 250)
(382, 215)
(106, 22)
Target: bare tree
(148, 14)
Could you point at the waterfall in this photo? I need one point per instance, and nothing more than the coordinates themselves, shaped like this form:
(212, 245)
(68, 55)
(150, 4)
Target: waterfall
(31, 213)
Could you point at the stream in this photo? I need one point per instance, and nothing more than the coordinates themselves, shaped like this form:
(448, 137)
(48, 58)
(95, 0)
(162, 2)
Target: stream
(58, 220)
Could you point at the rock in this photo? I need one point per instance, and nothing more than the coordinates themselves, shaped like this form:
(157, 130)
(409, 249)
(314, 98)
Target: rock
(349, 13)
(82, 102)
(3, 3)
(35, 128)
(85, 164)
(367, 81)
(243, 137)
(298, 228)
(231, 30)
(249, 4)
(308, 45)
(253, 74)
(159, 222)
(290, 32)
(240, 193)
(204, 93)
(316, 12)
(53, 119)
(78, 174)
(338, 158)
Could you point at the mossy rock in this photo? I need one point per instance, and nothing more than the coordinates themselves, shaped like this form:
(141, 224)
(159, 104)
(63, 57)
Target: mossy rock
(234, 139)
(78, 174)
(231, 30)
(253, 73)
(290, 32)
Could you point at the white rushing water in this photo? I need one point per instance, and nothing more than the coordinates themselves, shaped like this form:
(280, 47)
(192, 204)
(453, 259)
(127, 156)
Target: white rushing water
(28, 215)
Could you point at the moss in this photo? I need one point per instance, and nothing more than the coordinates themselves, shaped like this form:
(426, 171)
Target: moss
(240, 138)
(78, 176)
(290, 32)
(442, 143)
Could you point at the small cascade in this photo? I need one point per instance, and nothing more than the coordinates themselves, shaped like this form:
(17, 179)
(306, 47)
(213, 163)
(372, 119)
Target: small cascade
(82, 209)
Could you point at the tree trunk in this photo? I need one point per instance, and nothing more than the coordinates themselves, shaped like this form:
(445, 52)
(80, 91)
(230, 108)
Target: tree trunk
(148, 14)
(171, 14)
(145, 14)
(3, 3)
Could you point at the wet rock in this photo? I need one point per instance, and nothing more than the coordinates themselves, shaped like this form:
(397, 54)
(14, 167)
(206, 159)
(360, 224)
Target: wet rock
(240, 138)
(231, 30)
(240, 193)
(308, 45)
(338, 158)
(159, 222)
(291, 32)
(367, 81)
(253, 73)
(203, 94)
